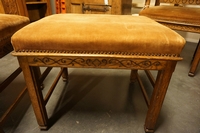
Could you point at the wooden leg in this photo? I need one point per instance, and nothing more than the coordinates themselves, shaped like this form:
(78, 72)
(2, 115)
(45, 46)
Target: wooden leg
(133, 76)
(195, 61)
(12, 106)
(7, 81)
(65, 74)
(158, 95)
(37, 73)
(35, 92)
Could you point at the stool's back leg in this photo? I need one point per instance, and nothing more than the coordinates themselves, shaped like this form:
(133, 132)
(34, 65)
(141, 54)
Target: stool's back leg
(158, 95)
(133, 76)
(35, 93)
(65, 74)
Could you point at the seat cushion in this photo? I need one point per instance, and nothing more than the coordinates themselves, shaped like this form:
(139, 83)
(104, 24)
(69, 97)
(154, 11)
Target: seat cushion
(98, 33)
(173, 14)
(9, 24)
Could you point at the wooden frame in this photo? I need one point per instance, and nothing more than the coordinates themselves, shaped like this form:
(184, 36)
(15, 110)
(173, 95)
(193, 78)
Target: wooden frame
(164, 64)
(33, 9)
(95, 50)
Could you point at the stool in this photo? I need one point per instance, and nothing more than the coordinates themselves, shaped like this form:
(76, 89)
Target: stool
(98, 41)
(9, 24)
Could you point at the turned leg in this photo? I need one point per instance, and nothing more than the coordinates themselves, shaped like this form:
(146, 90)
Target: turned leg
(158, 95)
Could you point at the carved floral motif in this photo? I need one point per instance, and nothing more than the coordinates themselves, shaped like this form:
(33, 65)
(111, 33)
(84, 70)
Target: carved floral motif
(97, 62)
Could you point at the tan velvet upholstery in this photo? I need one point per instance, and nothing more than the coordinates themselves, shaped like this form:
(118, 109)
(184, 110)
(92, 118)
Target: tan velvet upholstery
(9, 24)
(69, 32)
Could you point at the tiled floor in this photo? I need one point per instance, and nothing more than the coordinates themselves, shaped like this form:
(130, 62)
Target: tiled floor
(103, 101)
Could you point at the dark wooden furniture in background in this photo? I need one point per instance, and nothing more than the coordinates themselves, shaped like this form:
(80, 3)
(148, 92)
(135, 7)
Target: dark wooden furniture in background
(34, 9)
(183, 15)
(94, 6)
(38, 9)
(9, 24)
(13, 16)
(17, 7)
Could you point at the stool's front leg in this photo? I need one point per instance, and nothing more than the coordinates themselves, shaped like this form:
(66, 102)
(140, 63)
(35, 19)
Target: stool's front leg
(158, 95)
(35, 93)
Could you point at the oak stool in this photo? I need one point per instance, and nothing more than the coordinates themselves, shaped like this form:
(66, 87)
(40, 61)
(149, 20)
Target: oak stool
(98, 41)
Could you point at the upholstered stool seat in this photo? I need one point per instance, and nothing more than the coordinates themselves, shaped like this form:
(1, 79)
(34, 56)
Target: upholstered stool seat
(178, 15)
(98, 41)
(174, 14)
(100, 33)
(9, 24)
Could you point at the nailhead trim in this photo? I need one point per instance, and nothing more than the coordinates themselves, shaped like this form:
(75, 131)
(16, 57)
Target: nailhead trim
(98, 52)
